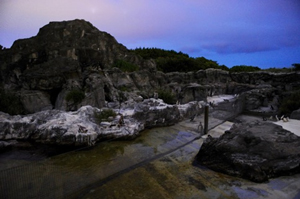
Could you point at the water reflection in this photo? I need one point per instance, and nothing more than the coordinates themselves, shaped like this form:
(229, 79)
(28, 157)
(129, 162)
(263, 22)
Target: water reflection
(64, 174)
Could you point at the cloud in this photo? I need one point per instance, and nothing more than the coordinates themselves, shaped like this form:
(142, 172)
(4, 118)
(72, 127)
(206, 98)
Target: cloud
(206, 26)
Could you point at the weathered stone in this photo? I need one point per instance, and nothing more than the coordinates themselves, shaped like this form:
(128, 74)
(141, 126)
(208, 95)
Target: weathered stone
(82, 128)
(256, 151)
(295, 114)
(64, 54)
(258, 97)
(155, 113)
(35, 100)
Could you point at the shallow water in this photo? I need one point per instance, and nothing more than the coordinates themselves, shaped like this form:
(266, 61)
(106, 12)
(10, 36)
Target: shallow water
(71, 171)
(157, 164)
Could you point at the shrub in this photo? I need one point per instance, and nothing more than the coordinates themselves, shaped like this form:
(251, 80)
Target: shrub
(290, 103)
(125, 66)
(104, 115)
(172, 61)
(76, 96)
(243, 68)
(296, 66)
(167, 96)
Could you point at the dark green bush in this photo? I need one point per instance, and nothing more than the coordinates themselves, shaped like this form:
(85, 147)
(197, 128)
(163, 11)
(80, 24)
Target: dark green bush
(76, 96)
(243, 68)
(290, 103)
(167, 96)
(296, 66)
(10, 103)
(278, 70)
(125, 66)
(104, 115)
(172, 61)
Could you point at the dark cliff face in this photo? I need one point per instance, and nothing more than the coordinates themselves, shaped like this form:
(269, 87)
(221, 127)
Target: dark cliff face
(74, 59)
(63, 55)
(77, 40)
(75, 44)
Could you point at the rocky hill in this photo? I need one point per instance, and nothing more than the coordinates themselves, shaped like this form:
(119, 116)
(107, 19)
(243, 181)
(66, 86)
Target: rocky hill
(70, 64)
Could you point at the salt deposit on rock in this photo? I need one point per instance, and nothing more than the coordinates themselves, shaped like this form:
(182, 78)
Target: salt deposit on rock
(81, 128)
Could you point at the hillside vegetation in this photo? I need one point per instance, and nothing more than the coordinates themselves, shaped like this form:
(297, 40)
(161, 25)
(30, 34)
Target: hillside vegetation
(172, 61)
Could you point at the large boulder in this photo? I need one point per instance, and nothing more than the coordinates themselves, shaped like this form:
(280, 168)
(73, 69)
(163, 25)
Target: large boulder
(256, 151)
(295, 114)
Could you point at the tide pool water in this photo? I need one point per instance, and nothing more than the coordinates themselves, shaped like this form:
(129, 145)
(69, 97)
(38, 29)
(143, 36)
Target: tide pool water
(157, 164)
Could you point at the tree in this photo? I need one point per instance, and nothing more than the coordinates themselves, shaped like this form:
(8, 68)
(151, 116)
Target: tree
(296, 66)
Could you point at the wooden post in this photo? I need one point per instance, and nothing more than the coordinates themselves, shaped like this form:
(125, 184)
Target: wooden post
(206, 119)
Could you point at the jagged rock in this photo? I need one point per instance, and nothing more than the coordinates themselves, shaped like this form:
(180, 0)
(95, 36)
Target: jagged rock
(264, 77)
(229, 108)
(256, 151)
(82, 128)
(154, 112)
(64, 128)
(191, 109)
(258, 97)
(66, 55)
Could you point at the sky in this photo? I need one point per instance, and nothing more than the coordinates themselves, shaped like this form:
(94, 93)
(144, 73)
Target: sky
(263, 33)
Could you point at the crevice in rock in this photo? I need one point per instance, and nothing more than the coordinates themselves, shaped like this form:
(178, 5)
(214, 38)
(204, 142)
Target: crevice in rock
(107, 91)
(53, 95)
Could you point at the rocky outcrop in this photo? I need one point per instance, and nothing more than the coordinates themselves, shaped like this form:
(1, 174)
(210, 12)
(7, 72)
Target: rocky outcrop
(64, 56)
(295, 114)
(154, 113)
(81, 127)
(65, 128)
(256, 151)
(74, 55)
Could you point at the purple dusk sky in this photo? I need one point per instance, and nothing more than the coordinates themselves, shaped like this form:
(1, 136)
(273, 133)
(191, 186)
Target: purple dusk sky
(264, 33)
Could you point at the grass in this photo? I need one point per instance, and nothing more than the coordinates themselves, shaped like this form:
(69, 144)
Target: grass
(76, 96)
(167, 96)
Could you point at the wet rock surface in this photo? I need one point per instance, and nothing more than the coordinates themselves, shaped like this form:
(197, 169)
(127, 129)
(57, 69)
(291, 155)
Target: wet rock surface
(256, 151)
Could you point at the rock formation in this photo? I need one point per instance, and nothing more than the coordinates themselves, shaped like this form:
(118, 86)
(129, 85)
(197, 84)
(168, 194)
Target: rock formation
(256, 151)
(81, 127)
(65, 56)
